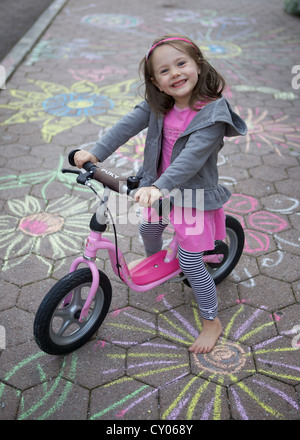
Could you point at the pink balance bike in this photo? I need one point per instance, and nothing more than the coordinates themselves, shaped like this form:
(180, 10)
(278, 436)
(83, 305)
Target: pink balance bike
(75, 307)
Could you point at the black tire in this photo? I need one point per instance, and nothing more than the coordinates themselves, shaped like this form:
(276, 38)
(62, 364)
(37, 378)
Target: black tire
(232, 248)
(57, 329)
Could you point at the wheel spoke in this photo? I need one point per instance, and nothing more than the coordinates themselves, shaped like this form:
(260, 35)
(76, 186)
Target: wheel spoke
(69, 314)
(65, 325)
(57, 329)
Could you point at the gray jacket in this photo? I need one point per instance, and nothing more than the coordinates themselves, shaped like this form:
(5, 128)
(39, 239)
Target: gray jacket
(194, 156)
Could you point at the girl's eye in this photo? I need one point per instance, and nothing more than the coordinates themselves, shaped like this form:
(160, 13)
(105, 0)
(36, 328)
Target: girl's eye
(181, 63)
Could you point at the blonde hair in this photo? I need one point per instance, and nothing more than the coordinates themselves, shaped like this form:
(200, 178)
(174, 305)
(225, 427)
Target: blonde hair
(209, 87)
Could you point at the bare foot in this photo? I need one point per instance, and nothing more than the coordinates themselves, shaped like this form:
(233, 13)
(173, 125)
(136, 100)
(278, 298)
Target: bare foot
(208, 337)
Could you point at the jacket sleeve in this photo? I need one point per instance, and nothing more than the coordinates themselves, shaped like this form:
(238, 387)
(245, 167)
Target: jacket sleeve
(127, 127)
(200, 145)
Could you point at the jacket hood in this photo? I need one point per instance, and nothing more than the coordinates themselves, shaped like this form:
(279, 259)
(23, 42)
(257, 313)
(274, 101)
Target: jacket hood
(219, 111)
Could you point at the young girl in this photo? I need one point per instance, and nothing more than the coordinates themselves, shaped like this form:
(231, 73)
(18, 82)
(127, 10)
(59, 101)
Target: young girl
(187, 118)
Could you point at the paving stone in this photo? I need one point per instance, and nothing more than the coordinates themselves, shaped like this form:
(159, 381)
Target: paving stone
(16, 271)
(8, 295)
(289, 266)
(18, 326)
(278, 359)
(198, 397)
(267, 292)
(128, 326)
(247, 325)
(9, 402)
(277, 402)
(98, 362)
(24, 366)
(124, 399)
(57, 398)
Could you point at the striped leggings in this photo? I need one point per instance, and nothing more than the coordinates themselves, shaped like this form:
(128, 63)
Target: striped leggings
(191, 264)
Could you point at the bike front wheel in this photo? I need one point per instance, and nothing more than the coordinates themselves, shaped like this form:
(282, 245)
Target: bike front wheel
(57, 329)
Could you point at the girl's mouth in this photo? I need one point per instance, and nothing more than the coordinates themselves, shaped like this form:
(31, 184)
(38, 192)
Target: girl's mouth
(179, 83)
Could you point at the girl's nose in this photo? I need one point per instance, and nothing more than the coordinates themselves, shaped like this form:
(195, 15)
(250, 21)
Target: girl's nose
(174, 72)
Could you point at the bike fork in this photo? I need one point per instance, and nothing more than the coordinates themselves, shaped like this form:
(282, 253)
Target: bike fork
(88, 259)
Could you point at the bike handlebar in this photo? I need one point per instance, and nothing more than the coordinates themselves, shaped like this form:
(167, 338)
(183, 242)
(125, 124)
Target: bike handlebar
(119, 184)
(108, 178)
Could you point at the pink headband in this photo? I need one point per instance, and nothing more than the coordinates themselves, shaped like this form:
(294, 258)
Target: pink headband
(169, 39)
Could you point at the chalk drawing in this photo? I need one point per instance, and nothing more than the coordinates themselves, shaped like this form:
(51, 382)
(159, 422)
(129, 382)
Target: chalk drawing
(273, 261)
(267, 131)
(231, 54)
(230, 358)
(112, 21)
(207, 18)
(59, 108)
(31, 227)
(50, 388)
(255, 240)
(97, 75)
(78, 49)
(44, 179)
(131, 154)
(287, 242)
(240, 203)
(277, 94)
(166, 362)
(283, 204)
(268, 222)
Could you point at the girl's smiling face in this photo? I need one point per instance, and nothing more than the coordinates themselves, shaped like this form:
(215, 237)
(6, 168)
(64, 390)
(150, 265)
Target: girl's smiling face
(175, 73)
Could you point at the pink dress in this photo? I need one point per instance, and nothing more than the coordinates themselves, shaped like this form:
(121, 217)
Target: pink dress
(196, 230)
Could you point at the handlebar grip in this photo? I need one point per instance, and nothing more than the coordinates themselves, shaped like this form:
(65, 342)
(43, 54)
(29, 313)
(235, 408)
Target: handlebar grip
(71, 157)
(163, 207)
(88, 166)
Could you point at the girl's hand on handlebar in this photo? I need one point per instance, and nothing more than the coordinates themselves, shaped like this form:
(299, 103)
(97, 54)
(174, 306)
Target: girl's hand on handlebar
(147, 195)
(82, 156)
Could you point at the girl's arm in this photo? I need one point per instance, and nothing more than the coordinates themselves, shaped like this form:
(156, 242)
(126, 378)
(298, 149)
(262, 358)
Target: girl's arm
(127, 127)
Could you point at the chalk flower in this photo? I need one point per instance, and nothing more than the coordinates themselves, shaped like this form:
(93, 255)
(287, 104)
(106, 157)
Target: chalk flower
(60, 108)
(31, 227)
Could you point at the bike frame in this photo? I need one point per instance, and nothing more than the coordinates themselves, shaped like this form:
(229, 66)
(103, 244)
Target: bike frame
(149, 273)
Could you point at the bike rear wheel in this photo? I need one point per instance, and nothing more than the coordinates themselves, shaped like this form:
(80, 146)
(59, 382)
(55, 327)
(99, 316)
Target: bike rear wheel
(231, 249)
(57, 329)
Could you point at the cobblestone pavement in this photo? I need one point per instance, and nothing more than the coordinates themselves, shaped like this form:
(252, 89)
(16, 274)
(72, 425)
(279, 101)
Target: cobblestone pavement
(80, 77)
